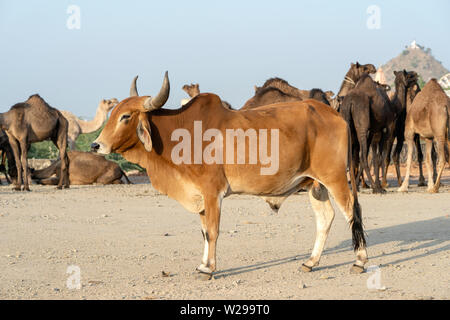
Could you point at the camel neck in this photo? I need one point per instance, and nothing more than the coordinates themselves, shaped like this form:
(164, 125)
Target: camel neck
(96, 123)
(400, 93)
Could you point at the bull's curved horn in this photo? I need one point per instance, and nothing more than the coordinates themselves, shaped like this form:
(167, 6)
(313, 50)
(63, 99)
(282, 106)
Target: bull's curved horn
(152, 103)
(133, 89)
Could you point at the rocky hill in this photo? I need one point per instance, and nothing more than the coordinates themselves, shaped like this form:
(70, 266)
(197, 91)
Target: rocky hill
(417, 58)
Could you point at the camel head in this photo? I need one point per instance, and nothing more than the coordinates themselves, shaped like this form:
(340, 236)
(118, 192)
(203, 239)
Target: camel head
(192, 90)
(107, 105)
(357, 70)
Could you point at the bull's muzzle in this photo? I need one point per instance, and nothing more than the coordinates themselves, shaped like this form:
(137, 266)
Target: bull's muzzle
(95, 146)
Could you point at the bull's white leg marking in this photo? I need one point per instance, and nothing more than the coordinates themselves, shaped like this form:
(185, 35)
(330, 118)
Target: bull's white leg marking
(324, 212)
(210, 229)
(344, 201)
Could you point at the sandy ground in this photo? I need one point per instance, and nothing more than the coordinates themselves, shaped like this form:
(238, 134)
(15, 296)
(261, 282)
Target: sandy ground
(123, 237)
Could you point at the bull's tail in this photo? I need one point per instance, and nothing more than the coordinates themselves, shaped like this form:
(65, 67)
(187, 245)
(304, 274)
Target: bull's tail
(126, 177)
(358, 238)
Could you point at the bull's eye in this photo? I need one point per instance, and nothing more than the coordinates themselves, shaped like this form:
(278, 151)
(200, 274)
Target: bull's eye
(125, 117)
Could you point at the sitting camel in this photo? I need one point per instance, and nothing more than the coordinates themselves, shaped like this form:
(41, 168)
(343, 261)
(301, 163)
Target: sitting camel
(33, 121)
(84, 168)
(78, 126)
(429, 117)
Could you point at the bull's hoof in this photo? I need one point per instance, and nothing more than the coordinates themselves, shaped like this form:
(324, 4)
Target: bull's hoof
(66, 187)
(17, 189)
(305, 268)
(59, 187)
(422, 183)
(356, 269)
(203, 276)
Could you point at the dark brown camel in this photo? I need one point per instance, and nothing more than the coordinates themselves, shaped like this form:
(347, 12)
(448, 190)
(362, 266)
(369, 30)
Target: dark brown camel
(84, 168)
(403, 82)
(33, 121)
(7, 154)
(268, 95)
(277, 90)
(429, 117)
(367, 110)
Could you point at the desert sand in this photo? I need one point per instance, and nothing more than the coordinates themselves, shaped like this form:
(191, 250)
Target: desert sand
(130, 242)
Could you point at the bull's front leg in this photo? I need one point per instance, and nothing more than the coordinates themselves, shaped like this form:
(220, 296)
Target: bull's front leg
(210, 219)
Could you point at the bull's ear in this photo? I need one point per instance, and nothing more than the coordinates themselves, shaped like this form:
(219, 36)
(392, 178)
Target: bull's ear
(143, 132)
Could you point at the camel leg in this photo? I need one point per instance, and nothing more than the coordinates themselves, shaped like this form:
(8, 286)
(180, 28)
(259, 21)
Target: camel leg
(16, 152)
(420, 160)
(61, 143)
(24, 163)
(53, 181)
(376, 149)
(434, 160)
(210, 219)
(396, 157)
(324, 212)
(440, 149)
(387, 160)
(409, 138)
(362, 139)
(4, 166)
(429, 163)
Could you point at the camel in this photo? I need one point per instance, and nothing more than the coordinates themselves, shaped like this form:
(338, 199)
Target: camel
(276, 90)
(78, 126)
(193, 90)
(33, 121)
(84, 168)
(351, 78)
(428, 116)
(369, 114)
(403, 82)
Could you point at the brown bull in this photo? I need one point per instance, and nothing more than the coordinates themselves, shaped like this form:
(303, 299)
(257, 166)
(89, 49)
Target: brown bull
(313, 143)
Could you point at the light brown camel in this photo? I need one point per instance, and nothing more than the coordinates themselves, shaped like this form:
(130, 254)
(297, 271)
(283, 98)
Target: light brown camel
(78, 126)
(84, 168)
(33, 121)
(428, 116)
(193, 90)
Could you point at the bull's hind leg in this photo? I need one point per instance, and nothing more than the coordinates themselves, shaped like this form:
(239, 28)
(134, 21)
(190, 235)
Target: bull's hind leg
(352, 212)
(320, 202)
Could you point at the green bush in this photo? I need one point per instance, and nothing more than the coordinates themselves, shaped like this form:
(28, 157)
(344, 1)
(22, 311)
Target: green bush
(47, 150)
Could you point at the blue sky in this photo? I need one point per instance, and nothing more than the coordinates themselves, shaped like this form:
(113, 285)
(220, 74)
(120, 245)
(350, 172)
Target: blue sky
(225, 46)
